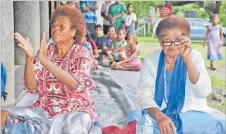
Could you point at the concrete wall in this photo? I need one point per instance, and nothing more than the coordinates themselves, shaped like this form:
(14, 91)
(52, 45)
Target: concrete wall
(27, 22)
(29, 18)
(7, 47)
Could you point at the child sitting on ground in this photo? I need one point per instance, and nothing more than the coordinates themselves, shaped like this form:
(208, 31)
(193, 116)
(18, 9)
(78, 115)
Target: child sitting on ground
(91, 46)
(131, 60)
(118, 51)
(98, 37)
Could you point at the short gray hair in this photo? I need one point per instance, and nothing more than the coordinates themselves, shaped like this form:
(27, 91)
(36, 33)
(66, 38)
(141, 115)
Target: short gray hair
(171, 23)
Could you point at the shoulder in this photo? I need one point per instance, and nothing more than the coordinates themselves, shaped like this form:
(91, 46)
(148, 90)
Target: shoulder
(80, 49)
(153, 56)
(196, 56)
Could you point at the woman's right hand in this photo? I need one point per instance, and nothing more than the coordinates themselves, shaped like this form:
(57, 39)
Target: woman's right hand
(25, 44)
(166, 125)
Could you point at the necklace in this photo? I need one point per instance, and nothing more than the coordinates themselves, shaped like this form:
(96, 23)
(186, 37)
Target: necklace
(165, 96)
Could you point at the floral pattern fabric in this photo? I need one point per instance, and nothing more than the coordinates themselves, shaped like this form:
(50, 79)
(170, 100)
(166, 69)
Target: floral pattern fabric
(55, 97)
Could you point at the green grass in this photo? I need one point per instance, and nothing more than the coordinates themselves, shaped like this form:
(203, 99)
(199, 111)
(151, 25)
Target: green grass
(196, 45)
(218, 83)
(213, 104)
(147, 41)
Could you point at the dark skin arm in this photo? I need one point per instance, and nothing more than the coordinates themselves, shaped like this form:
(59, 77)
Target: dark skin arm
(105, 16)
(29, 73)
(165, 125)
(205, 39)
(135, 53)
(95, 53)
(95, 7)
(63, 76)
(132, 24)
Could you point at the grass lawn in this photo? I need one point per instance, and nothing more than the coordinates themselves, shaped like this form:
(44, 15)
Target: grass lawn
(149, 44)
(196, 45)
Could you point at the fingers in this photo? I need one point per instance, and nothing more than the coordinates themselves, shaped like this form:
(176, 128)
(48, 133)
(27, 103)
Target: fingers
(21, 46)
(161, 129)
(19, 38)
(173, 128)
(43, 42)
(168, 129)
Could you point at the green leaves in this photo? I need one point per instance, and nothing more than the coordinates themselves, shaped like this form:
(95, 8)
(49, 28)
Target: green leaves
(141, 8)
(223, 13)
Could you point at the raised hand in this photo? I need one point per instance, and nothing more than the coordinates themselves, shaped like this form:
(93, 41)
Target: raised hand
(42, 55)
(25, 44)
(186, 50)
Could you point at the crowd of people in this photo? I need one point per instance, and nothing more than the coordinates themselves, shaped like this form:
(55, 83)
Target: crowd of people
(114, 43)
(173, 86)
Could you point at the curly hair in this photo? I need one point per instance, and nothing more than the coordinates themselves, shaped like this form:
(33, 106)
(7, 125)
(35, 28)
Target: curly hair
(173, 22)
(77, 20)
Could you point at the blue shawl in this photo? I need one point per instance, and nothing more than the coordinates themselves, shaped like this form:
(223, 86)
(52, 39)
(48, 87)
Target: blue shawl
(3, 82)
(177, 90)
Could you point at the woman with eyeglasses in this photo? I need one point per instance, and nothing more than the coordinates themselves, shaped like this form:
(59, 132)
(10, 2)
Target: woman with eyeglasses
(174, 84)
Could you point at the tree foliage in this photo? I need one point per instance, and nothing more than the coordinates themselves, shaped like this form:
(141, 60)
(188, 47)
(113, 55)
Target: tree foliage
(200, 12)
(141, 8)
(223, 14)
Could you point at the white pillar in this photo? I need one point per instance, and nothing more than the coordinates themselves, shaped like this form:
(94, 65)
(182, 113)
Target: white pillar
(7, 48)
(27, 22)
(44, 18)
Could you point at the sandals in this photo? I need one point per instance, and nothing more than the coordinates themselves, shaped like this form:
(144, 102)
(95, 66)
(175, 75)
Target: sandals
(212, 68)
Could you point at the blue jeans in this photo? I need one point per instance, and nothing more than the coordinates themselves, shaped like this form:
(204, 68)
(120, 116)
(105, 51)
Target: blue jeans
(16, 124)
(130, 31)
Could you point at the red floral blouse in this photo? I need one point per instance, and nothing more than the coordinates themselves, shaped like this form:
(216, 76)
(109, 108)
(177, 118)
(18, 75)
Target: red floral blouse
(55, 97)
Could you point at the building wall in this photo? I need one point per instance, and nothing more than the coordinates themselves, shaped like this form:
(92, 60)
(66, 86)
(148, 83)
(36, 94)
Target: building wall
(7, 47)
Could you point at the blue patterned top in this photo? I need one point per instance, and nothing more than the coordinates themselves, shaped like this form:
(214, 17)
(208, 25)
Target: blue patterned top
(90, 16)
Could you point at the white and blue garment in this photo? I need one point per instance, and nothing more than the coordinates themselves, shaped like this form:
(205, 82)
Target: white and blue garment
(192, 114)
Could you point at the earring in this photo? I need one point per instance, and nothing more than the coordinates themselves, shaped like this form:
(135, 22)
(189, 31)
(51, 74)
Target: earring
(72, 41)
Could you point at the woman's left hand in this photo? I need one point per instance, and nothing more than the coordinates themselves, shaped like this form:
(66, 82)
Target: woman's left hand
(43, 48)
(186, 51)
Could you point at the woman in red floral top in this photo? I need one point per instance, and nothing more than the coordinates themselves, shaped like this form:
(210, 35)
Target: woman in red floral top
(60, 74)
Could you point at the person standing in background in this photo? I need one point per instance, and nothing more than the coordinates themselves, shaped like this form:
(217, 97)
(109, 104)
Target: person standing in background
(116, 13)
(214, 36)
(130, 20)
(73, 4)
(104, 14)
(88, 9)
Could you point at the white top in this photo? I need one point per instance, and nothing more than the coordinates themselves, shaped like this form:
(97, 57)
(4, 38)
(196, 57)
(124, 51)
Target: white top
(130, 18)
(104, 9)
(195, 94)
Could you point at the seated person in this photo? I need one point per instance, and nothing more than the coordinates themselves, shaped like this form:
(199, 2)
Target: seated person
(3, 81)
(131, 60)
(174, 84)
(98, 37)
(60, 74)
(118, 51)
(107, 45)
(91, 45)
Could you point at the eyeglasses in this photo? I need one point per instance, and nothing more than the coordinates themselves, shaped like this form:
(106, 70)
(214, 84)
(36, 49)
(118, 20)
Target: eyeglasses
(180, 40)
